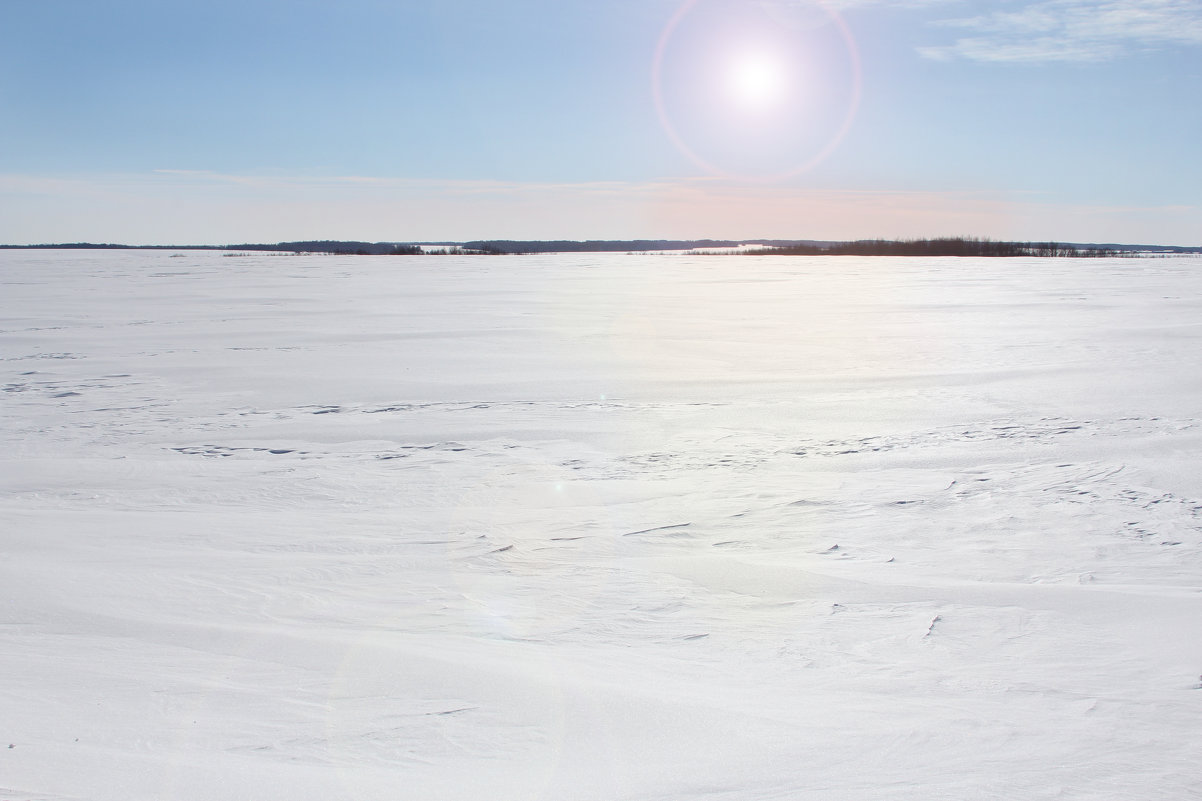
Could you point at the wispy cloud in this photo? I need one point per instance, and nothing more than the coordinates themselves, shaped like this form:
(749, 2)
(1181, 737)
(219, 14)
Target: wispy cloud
(1073, 30)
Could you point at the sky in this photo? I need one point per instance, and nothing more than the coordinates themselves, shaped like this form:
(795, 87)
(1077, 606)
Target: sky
(227, 121)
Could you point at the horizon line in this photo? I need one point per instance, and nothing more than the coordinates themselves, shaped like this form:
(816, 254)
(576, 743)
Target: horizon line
(615, 245)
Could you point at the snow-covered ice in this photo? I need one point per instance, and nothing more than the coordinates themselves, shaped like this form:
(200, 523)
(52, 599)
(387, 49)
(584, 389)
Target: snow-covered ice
(599, 527)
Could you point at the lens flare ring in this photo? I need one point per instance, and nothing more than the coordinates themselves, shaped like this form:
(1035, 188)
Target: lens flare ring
(657, 88)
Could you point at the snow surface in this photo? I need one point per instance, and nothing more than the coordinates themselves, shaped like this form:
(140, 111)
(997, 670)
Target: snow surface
(599, 527)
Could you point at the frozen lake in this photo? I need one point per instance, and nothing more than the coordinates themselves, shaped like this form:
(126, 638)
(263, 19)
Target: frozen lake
(599, 527)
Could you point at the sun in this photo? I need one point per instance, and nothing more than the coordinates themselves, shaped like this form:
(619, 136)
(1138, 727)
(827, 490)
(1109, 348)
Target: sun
(756, 90)
(755, 80)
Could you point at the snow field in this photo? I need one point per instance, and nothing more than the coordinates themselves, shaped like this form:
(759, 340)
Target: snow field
(599, 527)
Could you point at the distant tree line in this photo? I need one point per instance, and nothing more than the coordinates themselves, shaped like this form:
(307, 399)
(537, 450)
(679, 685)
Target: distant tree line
(336, 248)
(107, 246)
(945, 246)
(512, 246)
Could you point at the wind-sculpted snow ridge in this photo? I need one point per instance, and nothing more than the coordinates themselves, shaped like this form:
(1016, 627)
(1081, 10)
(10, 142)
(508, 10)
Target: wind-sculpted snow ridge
(592, 527)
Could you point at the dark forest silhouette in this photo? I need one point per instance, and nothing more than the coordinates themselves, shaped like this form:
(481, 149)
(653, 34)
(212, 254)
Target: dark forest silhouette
(948, 246)
(943, 246)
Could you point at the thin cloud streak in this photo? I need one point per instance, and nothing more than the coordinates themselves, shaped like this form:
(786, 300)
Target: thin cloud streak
(1073, 31)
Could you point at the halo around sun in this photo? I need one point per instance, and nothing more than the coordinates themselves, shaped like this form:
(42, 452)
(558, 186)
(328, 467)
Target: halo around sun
(743, 93)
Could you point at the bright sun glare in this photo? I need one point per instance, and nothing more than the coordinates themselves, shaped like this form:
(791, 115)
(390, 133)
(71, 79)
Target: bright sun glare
(755, 79)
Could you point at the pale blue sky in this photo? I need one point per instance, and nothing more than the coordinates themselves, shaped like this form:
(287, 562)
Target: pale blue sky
(160, 121)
